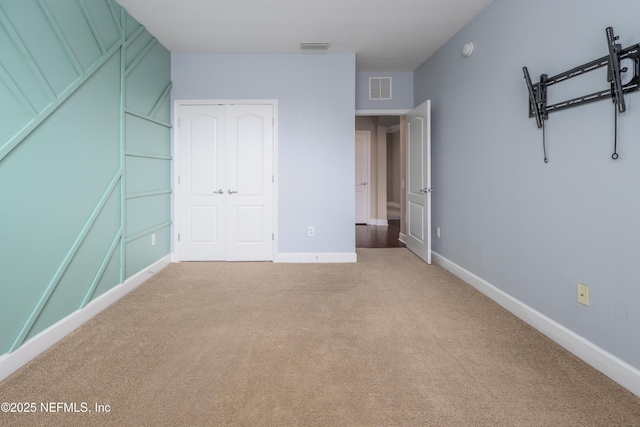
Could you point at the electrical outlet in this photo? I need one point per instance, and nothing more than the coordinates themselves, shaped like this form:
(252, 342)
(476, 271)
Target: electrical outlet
(438, 232)
(153, 239)
(312, 231)
(583, 294)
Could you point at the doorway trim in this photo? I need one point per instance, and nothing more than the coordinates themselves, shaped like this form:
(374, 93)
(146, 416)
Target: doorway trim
(175, 161)
(401, 113)
(398, 112)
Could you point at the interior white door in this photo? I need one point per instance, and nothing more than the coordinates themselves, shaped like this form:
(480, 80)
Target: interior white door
(418, 227)
(225, 194)
(250, 182)
(202, 183)
(363, 142)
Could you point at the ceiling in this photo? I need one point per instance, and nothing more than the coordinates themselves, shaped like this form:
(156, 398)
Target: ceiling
(386, 35)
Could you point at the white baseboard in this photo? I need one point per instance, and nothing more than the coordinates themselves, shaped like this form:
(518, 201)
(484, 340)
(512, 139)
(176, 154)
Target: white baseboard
(403, 238)
(379, 222)
(303, 258)
(618, 370)
(11, 362)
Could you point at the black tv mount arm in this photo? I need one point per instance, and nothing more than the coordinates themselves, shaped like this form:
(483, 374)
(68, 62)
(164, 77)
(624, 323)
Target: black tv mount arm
(539, 109)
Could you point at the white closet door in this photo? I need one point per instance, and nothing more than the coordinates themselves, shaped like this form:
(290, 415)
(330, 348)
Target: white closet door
(225, 191)
(250, 182)
(202, 188)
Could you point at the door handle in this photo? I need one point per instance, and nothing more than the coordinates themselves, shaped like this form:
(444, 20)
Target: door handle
(426, 190)
(219, 191)
(232, 192)
(363, 183)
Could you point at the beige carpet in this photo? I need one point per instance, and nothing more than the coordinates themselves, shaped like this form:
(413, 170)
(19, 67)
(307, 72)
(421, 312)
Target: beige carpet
(387, 341)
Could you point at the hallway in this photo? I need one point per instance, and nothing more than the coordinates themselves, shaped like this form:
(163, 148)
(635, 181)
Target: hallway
(371, 236)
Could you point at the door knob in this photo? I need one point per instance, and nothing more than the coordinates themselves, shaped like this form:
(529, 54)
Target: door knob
(426, 190)
(232, 192)
(363, 183)
(219, 191)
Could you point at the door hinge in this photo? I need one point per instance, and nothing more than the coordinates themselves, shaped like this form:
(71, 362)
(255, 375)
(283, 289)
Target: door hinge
(273, 236)
(178, 237)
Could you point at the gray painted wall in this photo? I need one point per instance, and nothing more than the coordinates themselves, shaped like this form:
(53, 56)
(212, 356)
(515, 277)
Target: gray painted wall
(316, 149)
(535, 230)
(401, 91)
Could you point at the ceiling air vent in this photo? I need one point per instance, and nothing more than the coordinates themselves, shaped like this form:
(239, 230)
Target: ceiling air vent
(314, 46)
(379, 88)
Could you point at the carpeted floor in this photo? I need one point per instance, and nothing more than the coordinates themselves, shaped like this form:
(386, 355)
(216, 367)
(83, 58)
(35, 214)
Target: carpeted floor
(387, 341)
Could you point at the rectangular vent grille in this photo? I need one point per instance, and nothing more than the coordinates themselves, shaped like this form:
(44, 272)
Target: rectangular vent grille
(379, 88)
(314, 46)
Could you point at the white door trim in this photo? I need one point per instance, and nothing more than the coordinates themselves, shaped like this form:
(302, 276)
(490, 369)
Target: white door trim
(175, 162)
(399, 112)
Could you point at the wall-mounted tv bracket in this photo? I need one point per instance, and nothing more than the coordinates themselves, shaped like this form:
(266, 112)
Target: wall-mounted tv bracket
(623, 74)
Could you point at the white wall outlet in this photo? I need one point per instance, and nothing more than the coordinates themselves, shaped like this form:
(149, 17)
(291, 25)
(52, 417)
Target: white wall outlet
(438, 232)
(312, 231)
(583, 294)
(153, 239)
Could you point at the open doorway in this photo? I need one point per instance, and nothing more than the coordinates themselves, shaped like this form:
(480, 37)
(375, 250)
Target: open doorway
(385, 225)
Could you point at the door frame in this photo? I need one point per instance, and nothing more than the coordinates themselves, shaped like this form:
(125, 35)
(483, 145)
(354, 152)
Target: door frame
(401, 112)
(175, 162)
(368, 189)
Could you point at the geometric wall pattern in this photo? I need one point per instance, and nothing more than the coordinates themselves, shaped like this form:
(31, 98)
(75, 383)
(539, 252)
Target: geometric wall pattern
(85, 157)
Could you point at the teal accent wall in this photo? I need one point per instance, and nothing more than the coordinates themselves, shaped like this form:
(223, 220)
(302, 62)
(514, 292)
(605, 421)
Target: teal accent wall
(85, 157)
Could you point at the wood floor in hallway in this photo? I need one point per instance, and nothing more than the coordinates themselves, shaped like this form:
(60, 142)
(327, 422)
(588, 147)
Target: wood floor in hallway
(372, 236)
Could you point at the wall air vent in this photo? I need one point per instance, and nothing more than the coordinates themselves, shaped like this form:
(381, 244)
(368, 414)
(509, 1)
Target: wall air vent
(314, 46)
(379, 88)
